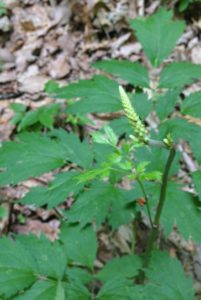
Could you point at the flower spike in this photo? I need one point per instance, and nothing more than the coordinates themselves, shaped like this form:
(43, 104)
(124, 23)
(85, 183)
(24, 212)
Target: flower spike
(140, 130)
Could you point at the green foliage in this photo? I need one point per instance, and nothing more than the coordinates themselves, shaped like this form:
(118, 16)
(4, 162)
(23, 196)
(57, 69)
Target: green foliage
(133, 73)
(179, 205)
(30, 155)
(33, 154)
(99, 94)
(125, 267)
(43, 115)
(111, 176)
(158, 35)
(80, 244)
(178, 74)
(166, 288)
(3, 9)
(56, 192)
(191, 105)
(99, 202)
(184, 4)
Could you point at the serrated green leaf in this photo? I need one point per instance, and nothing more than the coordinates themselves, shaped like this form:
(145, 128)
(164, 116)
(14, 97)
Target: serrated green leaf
(18, 107)
(48, 113)
(95, 204)
(157, 158)
(19, 110)
(125, 267)
(17, 268)
(178, 74)
(50, 258)
(158, 35)
(51, 290)
(30, 155)
(77, 152)
(98, 94)
(181, 129)
(183, 4)
(29, 118)
(101, 151)
(78, 274)
(192, 105)
(13, 281)
(165, 104)
(80, 244)
(162, 285)
(27, 260)
(43, 115)
(121, 126)
(51, 87)
(55, 193)
(117, 288)
(141, 103)
(180, 209)
(112, 137)
(133, 73)
(108, 137)
(77, 291)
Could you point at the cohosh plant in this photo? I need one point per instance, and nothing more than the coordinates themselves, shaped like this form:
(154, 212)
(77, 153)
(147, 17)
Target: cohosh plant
(125, 173)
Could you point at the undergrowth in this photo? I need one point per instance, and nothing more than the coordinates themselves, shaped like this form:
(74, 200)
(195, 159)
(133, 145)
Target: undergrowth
(126, 172)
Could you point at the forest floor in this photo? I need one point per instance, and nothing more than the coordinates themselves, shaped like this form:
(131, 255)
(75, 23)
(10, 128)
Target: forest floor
(59, 40)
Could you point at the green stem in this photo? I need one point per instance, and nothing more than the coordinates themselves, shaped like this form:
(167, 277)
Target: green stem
(146, 201)
(154, 230)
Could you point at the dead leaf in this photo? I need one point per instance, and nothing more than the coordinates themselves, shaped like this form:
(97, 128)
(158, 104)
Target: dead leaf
(50, 229)
(196, 54)
(59, 67)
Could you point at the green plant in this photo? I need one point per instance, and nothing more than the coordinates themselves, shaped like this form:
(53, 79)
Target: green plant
(184, 4)
(3, 9)
(33, 268)
(42, 116)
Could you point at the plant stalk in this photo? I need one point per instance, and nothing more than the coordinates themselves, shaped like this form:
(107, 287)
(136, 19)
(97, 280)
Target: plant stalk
(146, 201)
(154, 230)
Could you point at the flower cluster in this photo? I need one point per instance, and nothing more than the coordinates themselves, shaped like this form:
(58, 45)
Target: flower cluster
(141, 132)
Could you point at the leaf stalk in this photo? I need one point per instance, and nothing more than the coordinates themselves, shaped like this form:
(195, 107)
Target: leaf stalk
(162, 197)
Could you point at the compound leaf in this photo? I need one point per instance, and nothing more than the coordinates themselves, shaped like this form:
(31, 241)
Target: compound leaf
(158, 35)
(99, 202)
